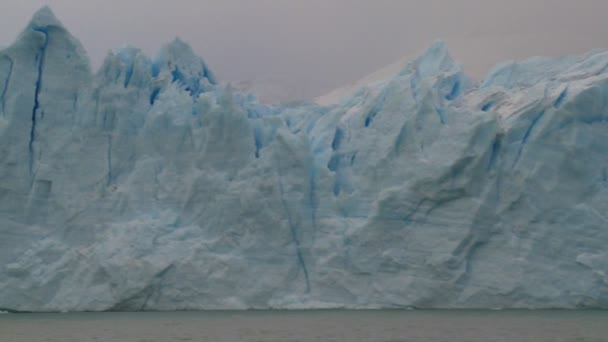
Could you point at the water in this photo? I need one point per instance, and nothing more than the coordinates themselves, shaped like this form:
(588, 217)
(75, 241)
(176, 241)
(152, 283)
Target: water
(280, 326)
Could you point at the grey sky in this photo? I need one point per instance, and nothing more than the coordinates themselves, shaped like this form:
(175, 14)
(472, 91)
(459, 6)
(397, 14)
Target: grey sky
(312, 46)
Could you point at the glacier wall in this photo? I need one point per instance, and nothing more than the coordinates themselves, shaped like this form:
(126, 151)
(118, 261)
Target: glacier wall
(147, 186)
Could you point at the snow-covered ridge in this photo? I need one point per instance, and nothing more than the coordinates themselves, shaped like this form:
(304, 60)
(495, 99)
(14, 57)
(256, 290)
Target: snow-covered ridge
(149, 186)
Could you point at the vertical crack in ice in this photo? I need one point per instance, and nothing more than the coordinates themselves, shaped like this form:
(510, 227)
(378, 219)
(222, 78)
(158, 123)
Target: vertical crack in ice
(441, 114)
(464, 254)
(129, 72)
(155, 286)
(191, 85)
(494, 153)
(414, 80)
(40, 59)
(334, 165)
(468, 259)
(292, 227)
(109, 159)
(524, 140)
(498, 186)
(336, 159)
(257, 140)
(337, 141)
(400, 139)
(154, 95)
(560, 99)
(312, 197)
(96, 111)
(6, 82)
(376, 109)
(206, 73)
(455, 92)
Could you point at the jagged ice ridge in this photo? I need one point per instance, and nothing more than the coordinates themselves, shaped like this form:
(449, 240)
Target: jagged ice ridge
(147, 186)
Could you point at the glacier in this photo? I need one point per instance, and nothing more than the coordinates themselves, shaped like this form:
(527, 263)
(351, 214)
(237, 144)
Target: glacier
(148, 185)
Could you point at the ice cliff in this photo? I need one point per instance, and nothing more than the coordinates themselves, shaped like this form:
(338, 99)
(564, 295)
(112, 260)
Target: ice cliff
(147, 186)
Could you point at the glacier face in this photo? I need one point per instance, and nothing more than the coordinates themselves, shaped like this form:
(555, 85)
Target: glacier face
(147, 186)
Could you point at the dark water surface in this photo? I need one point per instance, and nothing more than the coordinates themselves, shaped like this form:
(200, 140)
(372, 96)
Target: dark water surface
(285, 326)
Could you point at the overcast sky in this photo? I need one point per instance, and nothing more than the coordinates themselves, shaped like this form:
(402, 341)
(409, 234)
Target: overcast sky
(312, 46)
